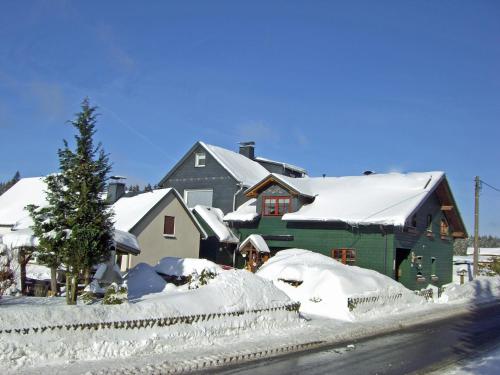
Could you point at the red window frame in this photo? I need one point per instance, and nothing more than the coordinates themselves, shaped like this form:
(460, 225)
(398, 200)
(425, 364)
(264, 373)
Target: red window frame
(344, 255)
(276, 205)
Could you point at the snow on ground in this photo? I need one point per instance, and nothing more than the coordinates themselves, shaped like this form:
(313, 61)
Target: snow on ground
(483, 288)
(327, 284)
(173, 266)
(230, 291)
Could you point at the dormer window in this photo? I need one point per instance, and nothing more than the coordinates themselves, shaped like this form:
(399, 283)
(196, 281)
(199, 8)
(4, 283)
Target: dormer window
(200, 159)
(275, 206)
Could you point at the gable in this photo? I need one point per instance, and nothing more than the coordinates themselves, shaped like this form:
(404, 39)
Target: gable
(185, 169)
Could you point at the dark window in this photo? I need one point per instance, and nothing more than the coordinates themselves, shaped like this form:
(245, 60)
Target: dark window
(345, 256)
(169, 226)
(414, 221)
(275, 206)
(429, 223)
(444, 229)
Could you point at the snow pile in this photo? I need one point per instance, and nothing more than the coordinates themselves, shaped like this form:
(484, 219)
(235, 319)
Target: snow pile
(172, 266)
(142, 280)
(482, 289)
(231, 291)
(326, 285)
(214, 219)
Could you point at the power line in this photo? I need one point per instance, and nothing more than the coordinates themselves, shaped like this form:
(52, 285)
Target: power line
(494, 188)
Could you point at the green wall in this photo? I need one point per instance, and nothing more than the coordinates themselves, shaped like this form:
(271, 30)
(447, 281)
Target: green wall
(374, 249)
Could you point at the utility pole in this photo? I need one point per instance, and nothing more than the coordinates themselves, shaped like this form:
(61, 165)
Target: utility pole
(476, 225)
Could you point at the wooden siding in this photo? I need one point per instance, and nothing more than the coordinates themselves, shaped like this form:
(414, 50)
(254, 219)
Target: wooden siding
(374, 250)
(427, 246)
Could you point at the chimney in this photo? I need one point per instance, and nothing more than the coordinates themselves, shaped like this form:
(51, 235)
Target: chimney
(116, 189)
(248, 149)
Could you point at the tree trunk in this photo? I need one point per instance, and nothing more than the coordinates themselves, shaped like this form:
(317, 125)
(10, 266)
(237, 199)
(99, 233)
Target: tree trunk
(74, 289)
(53, 281)
(23, 260)
(68, 288)
(87, 276)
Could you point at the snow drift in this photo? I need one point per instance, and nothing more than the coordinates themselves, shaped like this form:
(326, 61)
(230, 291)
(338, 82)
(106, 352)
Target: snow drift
(326, 284)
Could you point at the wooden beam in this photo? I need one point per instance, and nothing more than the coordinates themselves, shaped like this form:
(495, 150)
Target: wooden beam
(458, 234)
(447, 208)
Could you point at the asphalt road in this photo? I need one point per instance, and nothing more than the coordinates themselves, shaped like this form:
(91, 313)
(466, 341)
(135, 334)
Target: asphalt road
(419, 349)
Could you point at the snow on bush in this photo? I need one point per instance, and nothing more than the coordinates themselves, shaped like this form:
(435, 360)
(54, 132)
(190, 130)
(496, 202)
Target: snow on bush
(185, 266)
(6, 273)
(323, 285)
(482, 289)
(115, 294)
(142, 280)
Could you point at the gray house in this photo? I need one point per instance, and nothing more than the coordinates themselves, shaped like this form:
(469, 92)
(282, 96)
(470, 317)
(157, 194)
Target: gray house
(216, 177)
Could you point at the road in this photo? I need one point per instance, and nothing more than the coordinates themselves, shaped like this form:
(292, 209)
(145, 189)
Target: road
(419, 349)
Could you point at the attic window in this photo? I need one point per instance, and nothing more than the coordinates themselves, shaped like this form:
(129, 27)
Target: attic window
(429, 223)
(444, 229)
(345, 256)
(169, 226)
(200, 159)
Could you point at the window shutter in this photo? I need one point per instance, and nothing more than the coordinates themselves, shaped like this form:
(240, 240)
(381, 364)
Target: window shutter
(169, 225)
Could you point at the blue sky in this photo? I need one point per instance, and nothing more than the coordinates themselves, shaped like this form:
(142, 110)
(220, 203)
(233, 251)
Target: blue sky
(336, 87)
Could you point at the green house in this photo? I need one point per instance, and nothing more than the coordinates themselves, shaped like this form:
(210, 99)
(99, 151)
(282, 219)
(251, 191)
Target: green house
(401, 225)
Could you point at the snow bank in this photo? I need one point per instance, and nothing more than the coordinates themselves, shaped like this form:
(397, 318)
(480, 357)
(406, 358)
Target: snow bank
(185, 266)
(142, 280)
(482, 289)
(230, 291)
(327, 284)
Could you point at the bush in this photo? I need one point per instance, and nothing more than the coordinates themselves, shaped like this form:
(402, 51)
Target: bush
(6, 273)
(202, 279)
(115, 295)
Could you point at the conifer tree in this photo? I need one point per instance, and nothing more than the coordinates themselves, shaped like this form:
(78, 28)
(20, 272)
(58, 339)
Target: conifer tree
(76, 228)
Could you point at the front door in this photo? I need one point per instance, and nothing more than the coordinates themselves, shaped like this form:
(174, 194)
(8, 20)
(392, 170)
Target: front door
(402, 264)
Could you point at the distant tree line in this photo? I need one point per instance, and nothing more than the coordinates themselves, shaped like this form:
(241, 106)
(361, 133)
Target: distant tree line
(460, 246)
(4, 186)
(137, 189)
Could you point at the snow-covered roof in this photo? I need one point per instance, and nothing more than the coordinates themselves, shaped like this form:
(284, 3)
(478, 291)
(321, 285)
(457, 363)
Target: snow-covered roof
(126, 241)
(19, 238)
(246, 212)
(257, 241)
(491, 251)
(26, 191)
(213, 217)
(285, 165)
(25, 238)
(243, 169)
(130, 210)
(374, 199)
(387, 199)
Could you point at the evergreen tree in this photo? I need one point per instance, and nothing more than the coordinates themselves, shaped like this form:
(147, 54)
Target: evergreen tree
(76, 228)
(4, 186)
(148, 188)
